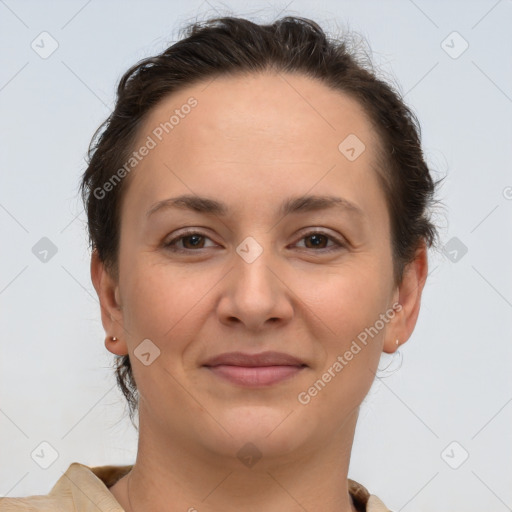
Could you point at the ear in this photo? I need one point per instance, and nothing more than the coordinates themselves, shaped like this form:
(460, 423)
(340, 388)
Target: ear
(111, 312)
(408, 295)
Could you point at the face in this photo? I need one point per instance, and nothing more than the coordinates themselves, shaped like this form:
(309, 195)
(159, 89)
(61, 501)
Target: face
(253, 269)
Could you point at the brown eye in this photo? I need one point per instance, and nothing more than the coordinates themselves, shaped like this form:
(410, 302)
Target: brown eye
(187, 242)
(195, 241)
(318, 242)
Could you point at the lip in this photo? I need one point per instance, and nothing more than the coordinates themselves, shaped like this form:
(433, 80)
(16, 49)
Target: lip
(269, 358)
(255, 376)
(255, 370)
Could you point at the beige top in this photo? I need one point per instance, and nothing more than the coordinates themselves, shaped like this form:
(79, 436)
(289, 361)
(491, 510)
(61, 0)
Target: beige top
(85, 489)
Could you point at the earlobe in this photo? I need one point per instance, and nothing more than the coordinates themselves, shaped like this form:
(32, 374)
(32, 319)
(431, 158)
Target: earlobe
(116, 346)
(409, 298)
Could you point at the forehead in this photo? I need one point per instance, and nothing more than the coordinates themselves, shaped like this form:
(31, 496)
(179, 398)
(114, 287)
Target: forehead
(293, 107)
(272, 134)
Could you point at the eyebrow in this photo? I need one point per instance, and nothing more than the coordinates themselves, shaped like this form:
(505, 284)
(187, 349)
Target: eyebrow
(292, 205)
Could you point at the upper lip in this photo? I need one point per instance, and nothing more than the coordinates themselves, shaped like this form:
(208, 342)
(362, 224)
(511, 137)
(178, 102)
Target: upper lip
(269, 358)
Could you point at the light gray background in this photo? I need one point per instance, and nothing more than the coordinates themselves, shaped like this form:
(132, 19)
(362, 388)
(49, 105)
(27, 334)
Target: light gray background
(454, 382)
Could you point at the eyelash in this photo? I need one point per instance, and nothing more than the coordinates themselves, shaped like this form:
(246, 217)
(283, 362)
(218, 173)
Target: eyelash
(171, 245)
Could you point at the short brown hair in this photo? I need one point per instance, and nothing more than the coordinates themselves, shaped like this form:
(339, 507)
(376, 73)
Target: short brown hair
(230, 46)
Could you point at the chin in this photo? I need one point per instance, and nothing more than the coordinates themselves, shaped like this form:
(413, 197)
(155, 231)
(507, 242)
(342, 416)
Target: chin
(273, 430)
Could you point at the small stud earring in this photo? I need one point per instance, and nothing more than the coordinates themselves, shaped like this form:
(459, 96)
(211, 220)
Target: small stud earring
(115, 339)
(397, 342)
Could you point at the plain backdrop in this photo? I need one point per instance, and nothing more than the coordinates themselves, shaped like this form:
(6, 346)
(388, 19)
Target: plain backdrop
(435, 431)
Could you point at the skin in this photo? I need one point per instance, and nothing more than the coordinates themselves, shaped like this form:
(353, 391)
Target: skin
(251, 142)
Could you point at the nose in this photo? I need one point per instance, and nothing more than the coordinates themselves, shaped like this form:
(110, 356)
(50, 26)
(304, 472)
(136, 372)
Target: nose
(255, 293)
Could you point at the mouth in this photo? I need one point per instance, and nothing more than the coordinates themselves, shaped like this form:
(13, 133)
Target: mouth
(255, 370)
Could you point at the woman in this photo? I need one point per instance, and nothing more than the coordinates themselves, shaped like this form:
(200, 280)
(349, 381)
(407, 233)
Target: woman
(258, 208)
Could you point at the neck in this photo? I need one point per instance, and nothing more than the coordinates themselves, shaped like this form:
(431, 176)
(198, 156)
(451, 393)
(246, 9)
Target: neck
(174, 476)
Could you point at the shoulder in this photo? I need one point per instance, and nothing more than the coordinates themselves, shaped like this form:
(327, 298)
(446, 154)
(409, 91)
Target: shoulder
(363, 500)
(73, 492)
(40, 503)
(376, 505)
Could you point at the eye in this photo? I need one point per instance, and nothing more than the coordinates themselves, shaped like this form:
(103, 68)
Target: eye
(318, 240)
(190, 241)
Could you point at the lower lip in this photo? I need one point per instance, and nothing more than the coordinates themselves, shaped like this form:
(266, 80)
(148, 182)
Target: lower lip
(255, 376)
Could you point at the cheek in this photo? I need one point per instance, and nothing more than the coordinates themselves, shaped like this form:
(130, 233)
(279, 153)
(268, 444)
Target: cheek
(159, 298)
(348, 298)
(159, 304)
(168, 304)
(350, 306)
